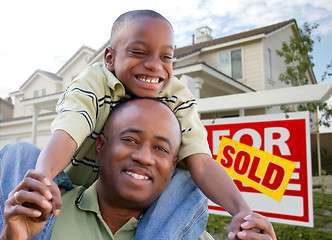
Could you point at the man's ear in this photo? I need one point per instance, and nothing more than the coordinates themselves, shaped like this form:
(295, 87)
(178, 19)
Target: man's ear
(175, 161)
(100, 142)
(109, 58)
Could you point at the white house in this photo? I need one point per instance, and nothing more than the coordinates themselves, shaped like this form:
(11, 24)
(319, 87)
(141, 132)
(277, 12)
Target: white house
(241, 63)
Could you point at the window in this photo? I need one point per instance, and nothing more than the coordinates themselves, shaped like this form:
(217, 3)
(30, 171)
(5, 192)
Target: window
(43, 92)
(35, 93)
(269, 62)
(231, 63)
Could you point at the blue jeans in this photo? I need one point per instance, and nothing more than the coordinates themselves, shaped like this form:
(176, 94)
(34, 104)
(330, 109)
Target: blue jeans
(179, 213)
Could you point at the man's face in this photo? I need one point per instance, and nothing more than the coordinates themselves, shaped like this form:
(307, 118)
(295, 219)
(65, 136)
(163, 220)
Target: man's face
(138, 153)
(141, 56)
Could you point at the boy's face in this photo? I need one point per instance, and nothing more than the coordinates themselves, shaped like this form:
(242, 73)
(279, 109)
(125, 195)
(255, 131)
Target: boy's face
(141, 56)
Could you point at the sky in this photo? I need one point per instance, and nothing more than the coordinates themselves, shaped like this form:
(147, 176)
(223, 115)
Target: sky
(44, 34)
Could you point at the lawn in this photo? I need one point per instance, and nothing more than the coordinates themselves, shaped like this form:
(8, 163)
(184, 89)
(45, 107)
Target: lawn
(218, 225)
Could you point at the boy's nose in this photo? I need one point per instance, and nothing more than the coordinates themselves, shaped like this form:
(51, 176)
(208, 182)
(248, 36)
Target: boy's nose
(143, 155)
(153, 63)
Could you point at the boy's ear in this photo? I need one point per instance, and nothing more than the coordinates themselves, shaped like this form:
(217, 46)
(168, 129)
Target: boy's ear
(109, 58)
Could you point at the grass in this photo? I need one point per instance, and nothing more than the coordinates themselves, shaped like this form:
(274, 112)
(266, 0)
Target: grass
(218, 225)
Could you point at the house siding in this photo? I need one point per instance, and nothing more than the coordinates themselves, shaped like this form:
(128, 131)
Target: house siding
(255, 77)
(80, 63)
(253, 65)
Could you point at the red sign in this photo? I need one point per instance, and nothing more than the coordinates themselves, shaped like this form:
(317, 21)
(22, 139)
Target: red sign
(288, 138)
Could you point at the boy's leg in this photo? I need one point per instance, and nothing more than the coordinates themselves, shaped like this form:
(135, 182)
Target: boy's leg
(15, 160)
(179, 213)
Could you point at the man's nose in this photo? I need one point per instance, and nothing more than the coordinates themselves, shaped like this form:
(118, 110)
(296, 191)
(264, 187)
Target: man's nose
(143, 155)
(153, 63)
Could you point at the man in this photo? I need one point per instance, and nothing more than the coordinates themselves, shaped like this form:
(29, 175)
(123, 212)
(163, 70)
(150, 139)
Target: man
(138, 154)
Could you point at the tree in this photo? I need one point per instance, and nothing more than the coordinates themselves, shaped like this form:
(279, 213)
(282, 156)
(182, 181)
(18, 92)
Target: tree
(298, 58)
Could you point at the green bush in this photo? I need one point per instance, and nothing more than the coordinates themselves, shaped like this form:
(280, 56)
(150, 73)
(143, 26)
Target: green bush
(326, 159)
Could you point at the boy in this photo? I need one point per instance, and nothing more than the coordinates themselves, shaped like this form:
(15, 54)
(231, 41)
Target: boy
(138, 62)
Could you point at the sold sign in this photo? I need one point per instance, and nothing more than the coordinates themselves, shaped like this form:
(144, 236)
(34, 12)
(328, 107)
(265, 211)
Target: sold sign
(261, 170)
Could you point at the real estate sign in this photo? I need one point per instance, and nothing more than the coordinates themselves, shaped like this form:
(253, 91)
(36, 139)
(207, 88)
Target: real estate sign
(271, 156)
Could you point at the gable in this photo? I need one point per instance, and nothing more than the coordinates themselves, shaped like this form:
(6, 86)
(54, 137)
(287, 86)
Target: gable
(41, 81)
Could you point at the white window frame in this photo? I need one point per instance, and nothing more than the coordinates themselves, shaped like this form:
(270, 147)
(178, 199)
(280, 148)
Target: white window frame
(43, 92)
(229, 51)
(269, 64)
(36, 93)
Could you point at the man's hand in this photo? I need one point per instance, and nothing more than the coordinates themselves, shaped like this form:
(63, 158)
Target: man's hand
(256, 227)
(28, 207)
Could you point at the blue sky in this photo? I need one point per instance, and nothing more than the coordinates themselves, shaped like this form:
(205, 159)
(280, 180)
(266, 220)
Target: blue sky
(44, 34)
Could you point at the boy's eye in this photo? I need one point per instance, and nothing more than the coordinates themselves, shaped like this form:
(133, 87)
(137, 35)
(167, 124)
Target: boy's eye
(141, 53)
(167, 58)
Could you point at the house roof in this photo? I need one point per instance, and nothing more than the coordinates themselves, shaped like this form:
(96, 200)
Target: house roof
(7, 102)
(49, 75)
(74, 56)
(99, 51)
(187, 50)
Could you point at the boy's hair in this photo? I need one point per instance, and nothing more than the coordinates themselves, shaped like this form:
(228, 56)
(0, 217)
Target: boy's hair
(132, 15)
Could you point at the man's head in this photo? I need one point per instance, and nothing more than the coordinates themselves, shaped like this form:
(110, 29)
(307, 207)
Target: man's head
(138, 153)
(141, 52)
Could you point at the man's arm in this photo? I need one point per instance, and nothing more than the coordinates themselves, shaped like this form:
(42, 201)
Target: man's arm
(216, 184)
(27, 208)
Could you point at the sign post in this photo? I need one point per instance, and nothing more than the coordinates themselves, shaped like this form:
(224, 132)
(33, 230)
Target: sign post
(284, 136)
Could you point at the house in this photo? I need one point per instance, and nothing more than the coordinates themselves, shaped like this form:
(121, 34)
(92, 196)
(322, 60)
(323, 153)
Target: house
(240, 63)
(6, 108)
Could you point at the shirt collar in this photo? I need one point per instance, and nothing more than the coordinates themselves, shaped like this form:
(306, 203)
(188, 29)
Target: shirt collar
(88, 201)
(113, 82)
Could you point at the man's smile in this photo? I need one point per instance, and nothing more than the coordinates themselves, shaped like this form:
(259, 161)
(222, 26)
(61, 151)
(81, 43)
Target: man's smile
(137, 176)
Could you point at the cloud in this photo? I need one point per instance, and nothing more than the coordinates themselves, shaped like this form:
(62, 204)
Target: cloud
(34, 32)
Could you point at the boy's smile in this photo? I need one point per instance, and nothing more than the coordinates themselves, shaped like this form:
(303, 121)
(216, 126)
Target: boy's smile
(141, 56)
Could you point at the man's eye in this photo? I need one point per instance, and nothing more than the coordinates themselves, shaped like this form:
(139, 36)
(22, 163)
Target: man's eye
(162, 149)
(130, 140)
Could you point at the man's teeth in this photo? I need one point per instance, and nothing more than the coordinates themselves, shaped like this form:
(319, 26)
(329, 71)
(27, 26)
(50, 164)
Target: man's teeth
(137, 176)
(155, 80)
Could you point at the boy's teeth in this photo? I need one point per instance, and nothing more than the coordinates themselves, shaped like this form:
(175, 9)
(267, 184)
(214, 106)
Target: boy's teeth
(137, 176)
(155, 80)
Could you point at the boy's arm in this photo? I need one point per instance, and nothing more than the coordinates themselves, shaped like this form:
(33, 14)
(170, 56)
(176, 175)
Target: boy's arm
(54, 158)
(216, 184)
(56, 155)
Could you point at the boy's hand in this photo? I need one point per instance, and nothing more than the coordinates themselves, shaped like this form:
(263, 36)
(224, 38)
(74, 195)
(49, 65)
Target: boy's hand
(236, 222)
(256, 222)
(56, 196)
(27, 208)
